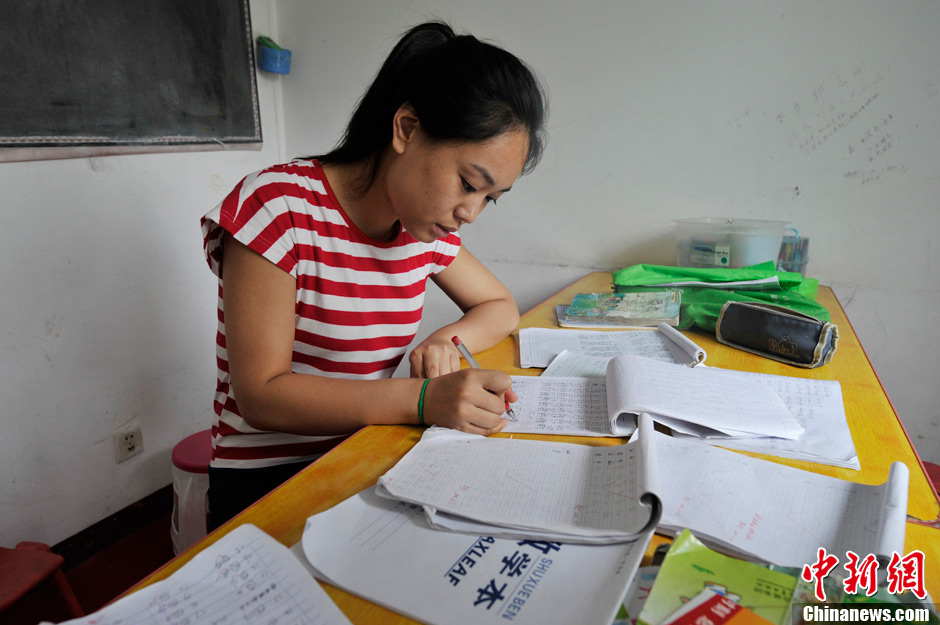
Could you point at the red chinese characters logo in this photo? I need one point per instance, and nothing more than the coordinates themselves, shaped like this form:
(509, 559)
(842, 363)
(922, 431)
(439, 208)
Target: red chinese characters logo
(863, 572)
(907, 573)
(818, 571)
(903, 573)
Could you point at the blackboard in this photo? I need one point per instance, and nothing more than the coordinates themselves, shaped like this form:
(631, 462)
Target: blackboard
(132, 73)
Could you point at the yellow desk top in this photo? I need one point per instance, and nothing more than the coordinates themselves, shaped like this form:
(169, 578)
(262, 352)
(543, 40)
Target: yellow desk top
(358, 462)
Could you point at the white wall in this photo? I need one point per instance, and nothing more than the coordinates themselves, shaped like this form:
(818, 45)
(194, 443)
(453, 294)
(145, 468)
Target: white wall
(107, 318)
(825, 114)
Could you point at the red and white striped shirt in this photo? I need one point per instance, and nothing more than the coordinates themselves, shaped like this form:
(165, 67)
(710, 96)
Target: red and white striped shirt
(358, 303)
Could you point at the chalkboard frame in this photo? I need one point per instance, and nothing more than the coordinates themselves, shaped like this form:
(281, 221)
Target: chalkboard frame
(31, 146)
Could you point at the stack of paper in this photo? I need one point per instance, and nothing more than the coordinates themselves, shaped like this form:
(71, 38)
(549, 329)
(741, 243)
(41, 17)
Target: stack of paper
(700, 401)
(383, 551)
(558, 491)
(816, 405)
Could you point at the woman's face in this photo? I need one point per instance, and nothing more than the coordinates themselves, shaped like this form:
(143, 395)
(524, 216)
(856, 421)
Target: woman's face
(435, 188)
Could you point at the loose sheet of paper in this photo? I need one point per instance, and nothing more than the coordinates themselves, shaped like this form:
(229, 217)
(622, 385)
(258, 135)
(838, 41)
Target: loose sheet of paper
(246, 577)
(774, 512)
(569, 406)
(817, 406)
(537, 346)
(523, 487)
(704, 397)
(383, 551)
(576, 365)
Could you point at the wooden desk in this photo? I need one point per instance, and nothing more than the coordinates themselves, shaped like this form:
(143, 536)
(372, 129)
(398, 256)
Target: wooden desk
(360, 460)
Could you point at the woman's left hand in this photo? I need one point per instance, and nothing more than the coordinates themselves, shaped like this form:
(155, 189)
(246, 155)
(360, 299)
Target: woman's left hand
(433, 357)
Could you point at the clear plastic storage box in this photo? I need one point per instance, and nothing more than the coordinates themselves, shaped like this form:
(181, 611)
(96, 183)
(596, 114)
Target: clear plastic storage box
(727, 242)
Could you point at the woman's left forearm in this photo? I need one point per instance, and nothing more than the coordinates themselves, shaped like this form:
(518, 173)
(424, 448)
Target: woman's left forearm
(483, 325)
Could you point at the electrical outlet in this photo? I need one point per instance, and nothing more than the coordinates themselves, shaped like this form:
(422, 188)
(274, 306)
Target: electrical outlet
(128, 443)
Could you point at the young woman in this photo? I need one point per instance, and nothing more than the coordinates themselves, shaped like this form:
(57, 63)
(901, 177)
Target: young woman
(322, 264)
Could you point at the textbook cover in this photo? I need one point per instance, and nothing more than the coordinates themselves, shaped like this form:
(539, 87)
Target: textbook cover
(690, 567)
(618, 310)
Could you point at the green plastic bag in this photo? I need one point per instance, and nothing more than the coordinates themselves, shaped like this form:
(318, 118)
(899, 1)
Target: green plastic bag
(701, 305)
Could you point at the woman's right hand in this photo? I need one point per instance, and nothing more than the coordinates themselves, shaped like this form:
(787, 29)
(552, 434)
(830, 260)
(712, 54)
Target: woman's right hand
(470, 400)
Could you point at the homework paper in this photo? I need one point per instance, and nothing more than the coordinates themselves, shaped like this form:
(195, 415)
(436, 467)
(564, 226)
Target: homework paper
(817, 406)
(537, 346)
(246, 577)
(570, 406)
(745, 505)
(704, 401)
(773, 512)
(551, 491)
(577, 365)
(383, 551)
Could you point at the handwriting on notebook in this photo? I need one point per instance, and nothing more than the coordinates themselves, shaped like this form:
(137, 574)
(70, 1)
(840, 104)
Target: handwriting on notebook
(537, 346)
(574, 406)
(246, 577)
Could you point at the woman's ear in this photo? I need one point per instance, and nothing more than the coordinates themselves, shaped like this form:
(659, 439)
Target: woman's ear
(405, 126)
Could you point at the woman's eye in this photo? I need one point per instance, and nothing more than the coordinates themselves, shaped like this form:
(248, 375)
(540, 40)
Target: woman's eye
(469, 188)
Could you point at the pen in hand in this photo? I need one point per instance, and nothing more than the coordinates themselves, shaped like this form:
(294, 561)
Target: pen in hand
(474, 364)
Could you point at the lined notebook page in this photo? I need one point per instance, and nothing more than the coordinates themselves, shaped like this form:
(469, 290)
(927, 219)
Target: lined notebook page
(537, 346)
(560, 405)
(817, 406)
(521, 484)
(777, 513)
(246, 577)
(702, 396)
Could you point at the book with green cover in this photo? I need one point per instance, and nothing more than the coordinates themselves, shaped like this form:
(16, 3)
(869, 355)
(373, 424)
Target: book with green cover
(613, 310)
(690, 567)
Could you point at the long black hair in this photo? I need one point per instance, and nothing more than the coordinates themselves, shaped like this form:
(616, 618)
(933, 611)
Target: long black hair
(461, 89)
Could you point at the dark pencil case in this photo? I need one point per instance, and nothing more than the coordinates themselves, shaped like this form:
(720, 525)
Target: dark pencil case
(776, 332)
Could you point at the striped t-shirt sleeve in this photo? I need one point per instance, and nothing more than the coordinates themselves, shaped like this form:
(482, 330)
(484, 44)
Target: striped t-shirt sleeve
(258, 214)
(444, 253)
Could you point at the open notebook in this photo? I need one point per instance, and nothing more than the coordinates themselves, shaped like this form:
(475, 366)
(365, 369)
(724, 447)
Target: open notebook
(537, 346)
(700, 401)
(573, 493)
(816, 404)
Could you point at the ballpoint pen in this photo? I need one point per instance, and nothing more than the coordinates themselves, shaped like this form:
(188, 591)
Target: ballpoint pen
(474, 364)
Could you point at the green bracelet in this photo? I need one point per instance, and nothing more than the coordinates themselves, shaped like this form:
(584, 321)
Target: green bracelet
(424, 388)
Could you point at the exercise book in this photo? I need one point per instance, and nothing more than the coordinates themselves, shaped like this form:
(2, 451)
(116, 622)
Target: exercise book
(817, 406)
(537, 346)
(701, 401)
(383, 551)
(574, 493)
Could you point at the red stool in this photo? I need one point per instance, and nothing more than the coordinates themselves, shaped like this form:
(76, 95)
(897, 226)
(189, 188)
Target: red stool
(191, 458)
(25, 568)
